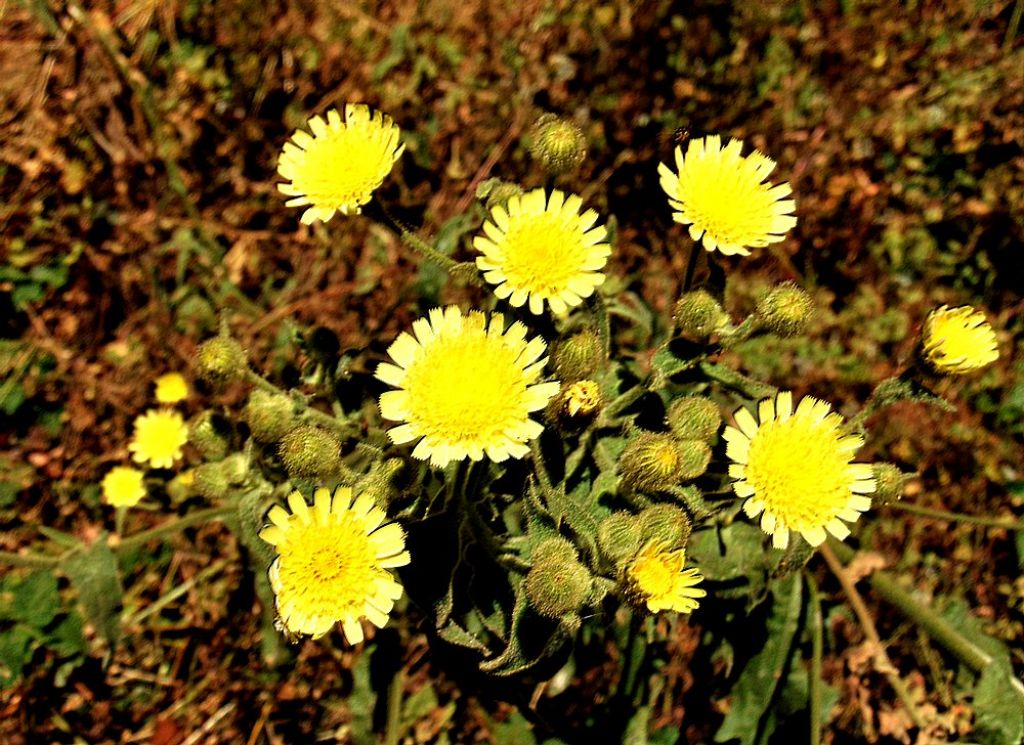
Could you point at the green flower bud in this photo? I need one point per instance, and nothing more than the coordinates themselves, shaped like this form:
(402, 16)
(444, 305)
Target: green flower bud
(310, 453)
(651, 462)
(695, 457)
(270, 416)
(697, 314)
(665, 524)
(182, 486)
(221, 360)
(618, 537)
(210, 435)
(785, 310)
(211, 481)
(495, 193)
(578, 357)
(379, 483)
(557, 583)
(694, 418)
(557, 144)
(235, 468)
(889, 482)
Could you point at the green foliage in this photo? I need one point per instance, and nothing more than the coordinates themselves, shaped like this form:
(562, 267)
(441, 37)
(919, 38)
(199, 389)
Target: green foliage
(94, 574)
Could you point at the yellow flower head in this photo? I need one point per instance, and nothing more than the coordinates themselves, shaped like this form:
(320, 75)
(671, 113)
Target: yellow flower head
(466, 387)
(957, 341)
(658, 578)
(171, 388)
(332, 563)
(340, 164)
(722, 196)
(541, 248)
(794, 469)
(123, 487)
(159, 436)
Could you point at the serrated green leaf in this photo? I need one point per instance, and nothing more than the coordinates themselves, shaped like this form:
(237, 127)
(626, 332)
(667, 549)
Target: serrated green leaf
(998, 714)
(734, 557)
(452, 633)
(94, 575)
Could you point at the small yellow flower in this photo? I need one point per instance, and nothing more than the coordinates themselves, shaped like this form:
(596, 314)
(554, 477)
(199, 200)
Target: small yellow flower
(794, 469)
(542, 249)
(337, 168)
(123, 487)
(171, 388)
(957, 341)
(332, 563)
(467, 387)
(658, 577)
(159, 437)
(722, 196)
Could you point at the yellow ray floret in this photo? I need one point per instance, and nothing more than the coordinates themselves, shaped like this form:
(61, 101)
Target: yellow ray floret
(723, 196)
(123, 486)
(794, 469)
(466, 386)
(159, 437)
(171, 388)
(957, 341)
(657, 575)
(540, 249)
(332, 563)
(337, 168)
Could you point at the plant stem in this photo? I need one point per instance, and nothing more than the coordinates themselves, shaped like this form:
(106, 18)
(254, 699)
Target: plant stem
(988, 522)
(636, 647)
(34, 561)
(691, 266)
(394, 722)
(342, 428)
(882, 662)
(817, 646)
(599, 313)
(171, 526)
(624, 401)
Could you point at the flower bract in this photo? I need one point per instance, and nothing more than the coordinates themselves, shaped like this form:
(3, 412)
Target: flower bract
(723, 196)
(466, 387)
(794, 469)
(123, 486)
(333, 561)
(657, 575)
(159, 437)
(338, 166)
(957, 341)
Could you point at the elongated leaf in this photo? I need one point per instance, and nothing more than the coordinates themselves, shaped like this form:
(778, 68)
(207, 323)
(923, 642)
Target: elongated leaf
(94, 574)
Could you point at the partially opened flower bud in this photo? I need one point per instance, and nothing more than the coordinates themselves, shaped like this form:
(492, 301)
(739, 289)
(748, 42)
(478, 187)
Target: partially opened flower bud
(577, 357)
(557, 583)
(310, 453)
(957, 341)
(557, 144)
(221, 360)
(697, 314)
(785, 310)
(270, 416)
(694, 418)
(618, 537)
(666, 524)
(889, 482)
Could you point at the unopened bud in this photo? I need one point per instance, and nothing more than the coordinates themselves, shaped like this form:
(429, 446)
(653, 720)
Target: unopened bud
(665, 524)
(785, 310)
(618, 537)
(652, 462)
(694, 418)
(235, 468)
(310, 453)
(697, 314)
(557, 144)
(270, 416)
(211, 481)
(495, 193)
(221, 360)
(380, 482)
(578, 357)
(889, 482)
(210, 435)
(557, 583)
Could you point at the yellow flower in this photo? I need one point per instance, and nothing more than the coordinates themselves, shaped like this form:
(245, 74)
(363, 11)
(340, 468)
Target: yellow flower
(957, 341)
(123, 487)
(794, 469)
(722, 196)
(466, 387)
(171, 388)
(340, 164)
(541, 248)
(159, 436)
(332, 563)
(658, 577)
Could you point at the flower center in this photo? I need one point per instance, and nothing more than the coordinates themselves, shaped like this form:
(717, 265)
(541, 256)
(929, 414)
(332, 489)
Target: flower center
(654, 575)
(725, 196)
(341, 168)
(542, 252)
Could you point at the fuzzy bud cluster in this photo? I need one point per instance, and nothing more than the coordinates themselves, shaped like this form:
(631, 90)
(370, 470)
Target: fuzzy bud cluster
(557, 583)
(655, 461)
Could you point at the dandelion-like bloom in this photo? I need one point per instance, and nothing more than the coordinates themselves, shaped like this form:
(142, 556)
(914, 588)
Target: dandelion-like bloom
(957, 341)
(794, 469)
(337, 168)
(159, 437)
(332, 563)
(722, 196)
(171, 388)
(657, 575)
(540, 248)
(467, 387)
(123, 487)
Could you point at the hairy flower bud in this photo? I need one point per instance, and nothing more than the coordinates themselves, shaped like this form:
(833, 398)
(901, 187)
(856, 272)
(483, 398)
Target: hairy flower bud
(697, 314)
(618, 537)
(221, 360)
(557, 583)
(269, 415)
(495, 193)
(211, 481)
(557, 144)
(210, 435)
(665, 524)
(577, 357)
(889, 481)
(310, 453)
(785, 310)
(651, 462)
(380, 482)
(694, 418)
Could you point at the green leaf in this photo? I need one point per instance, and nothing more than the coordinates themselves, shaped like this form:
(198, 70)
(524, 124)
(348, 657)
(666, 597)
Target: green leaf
(998, 714)
(755, 689)
(732, 557)
(362, 700)
(15, 653)
(66, 638)
(94, 574)
(34, 600)
(514, 731)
